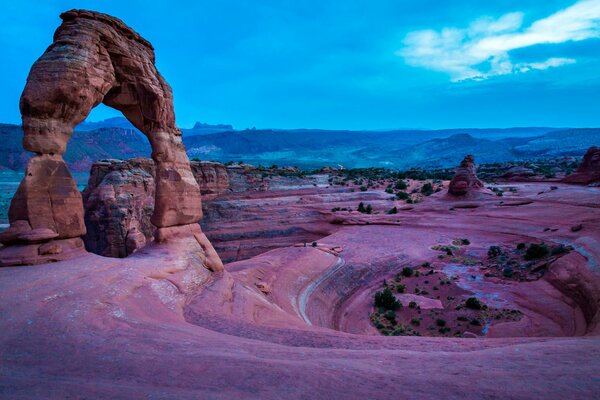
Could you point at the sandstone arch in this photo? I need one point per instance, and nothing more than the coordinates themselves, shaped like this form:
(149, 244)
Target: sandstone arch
(94, 58)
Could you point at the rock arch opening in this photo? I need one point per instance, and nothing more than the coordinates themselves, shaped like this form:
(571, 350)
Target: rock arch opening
(94, 58)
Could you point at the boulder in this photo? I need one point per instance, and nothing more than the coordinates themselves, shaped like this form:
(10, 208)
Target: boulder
(465, 179)
(589, 169)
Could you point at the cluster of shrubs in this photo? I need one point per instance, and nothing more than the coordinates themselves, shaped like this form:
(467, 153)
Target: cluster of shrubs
(335, 209)
(368, 209)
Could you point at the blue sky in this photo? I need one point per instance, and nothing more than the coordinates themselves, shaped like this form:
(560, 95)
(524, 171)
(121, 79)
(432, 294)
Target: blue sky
(347, 64)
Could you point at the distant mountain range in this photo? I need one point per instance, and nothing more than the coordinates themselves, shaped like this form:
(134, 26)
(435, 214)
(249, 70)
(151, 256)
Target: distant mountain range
(312, 148)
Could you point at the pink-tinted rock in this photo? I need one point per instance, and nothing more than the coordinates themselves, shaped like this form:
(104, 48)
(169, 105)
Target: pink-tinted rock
(465, 179)
(589, 169)
(16, 228)
(135, 240)
(119, 197)
(212, 178)
(96, 58)
(38, 235)
(32, 254)
(48, 198)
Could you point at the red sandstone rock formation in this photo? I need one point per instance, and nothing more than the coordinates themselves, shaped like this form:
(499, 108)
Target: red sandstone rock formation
(465, 179)
(212, 178)
(589, 170)
(94, 58)
(119, 202)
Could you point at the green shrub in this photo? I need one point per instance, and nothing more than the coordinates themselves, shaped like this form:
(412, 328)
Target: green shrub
(401, 288)
(494, 251)
(412, 304)
(427, 189)
(440, 322)
(407, 272)
(402, 196)
(473, 303)
(508, 272)
(386, 300)
(390, 315)
(401, 185)
(363, 188)
(393, 211)
(535, 251)
(415, 322)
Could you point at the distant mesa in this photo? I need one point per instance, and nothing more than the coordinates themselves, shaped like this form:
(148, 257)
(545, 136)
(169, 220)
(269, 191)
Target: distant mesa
(465, 179)
(589, 169)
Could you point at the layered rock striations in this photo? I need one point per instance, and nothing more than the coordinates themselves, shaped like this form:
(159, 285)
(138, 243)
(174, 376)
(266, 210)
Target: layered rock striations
(265, 208)
(119, 202)
(589, 169)
(94, 58)
(465, 179)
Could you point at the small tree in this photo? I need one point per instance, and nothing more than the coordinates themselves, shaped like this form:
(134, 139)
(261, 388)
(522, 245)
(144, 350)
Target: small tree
(402, 195)
(401, 185)
(393, 211)
(427, 189)
(385, 299)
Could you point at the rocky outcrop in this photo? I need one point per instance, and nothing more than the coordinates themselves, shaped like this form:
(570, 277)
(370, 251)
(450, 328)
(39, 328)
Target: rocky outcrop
(589, 169)
(465, 179)
(94, 58)
(119, 202)
(212, 178)
(518, 174)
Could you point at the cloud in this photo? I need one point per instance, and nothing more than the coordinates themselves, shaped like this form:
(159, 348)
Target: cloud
(483, 49)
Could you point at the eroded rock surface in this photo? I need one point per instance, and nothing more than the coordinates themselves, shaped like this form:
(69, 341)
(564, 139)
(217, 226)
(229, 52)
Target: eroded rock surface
(589, 170)
(465, 179)
(95, 58)
(119, 202)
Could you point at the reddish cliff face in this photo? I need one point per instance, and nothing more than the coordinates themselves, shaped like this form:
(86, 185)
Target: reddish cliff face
(263, 209)
(589, 170)
(119, 202)
(212, 178)
(465, 179)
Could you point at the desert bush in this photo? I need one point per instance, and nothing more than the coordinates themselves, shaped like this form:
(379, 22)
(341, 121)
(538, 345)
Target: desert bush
(473, 303)
(536, 251)
(494, 251)
(427, 189)
(386, 300)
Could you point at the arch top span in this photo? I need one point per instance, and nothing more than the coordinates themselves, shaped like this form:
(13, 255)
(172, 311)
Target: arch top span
(95, 58)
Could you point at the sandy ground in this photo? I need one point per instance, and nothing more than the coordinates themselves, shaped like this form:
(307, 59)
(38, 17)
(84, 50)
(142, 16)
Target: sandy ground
(158, 325)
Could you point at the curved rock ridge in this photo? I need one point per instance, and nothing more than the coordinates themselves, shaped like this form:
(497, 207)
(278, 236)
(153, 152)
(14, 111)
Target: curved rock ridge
(465, 179)
(94, 58)
(589, 169)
